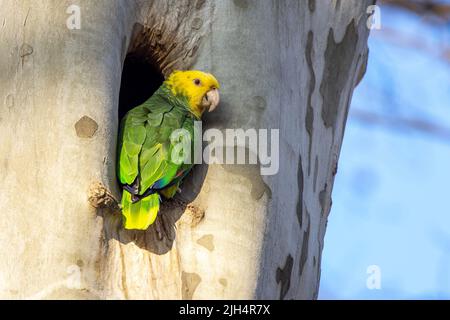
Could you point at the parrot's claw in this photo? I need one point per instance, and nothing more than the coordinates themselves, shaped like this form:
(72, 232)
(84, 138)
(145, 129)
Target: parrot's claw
(178, 190)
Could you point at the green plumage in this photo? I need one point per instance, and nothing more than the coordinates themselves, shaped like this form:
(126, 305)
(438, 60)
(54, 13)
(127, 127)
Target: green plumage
(145, 155)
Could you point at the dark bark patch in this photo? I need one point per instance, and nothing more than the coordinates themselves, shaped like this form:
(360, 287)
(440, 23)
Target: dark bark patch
(316, 173)
(223, 282)
(347, 109)
(25, 50)
(197, 23)
(243, 4)
(305, 247)
(300, 183)
(189, 283)
(86, 127)
(309, 119)
(80, 263)
(363, 67)
(338, 5)
(207, 241)
(199, 4)
(338, 62)
(283, 276)
(312, 5)
(335, 156)
(319, 263)
(322, 198)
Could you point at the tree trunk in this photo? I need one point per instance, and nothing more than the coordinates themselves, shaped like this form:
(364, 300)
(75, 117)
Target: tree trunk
(233, 233)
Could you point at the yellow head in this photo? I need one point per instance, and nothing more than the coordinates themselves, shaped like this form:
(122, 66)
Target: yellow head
(200, 88)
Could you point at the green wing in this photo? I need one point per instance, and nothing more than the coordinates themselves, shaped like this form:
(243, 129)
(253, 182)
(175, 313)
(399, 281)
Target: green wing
(145, 153)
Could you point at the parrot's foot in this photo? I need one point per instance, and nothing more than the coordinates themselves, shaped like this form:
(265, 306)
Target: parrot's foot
(134, 198)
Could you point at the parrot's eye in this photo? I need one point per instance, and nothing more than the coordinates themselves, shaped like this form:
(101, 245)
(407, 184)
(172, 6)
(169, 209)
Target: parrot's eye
(197, 82)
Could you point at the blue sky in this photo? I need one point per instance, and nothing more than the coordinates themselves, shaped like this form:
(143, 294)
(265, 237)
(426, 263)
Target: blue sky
(391, 196)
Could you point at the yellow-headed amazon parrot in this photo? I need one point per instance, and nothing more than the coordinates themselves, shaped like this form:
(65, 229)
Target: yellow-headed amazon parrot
(145, 167)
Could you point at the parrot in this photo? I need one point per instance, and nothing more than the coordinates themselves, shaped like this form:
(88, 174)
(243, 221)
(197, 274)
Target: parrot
(146, 169)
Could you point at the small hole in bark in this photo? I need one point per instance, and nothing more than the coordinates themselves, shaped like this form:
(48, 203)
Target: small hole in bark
(140, 79)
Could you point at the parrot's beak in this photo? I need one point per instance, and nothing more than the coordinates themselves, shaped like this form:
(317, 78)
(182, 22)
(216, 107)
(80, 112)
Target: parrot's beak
(211, 99)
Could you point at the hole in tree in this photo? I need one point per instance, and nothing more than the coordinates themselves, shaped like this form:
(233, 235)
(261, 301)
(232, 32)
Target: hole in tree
(140, 79)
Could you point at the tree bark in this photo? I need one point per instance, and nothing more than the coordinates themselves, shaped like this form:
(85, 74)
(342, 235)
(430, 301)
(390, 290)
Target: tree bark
(232, 234)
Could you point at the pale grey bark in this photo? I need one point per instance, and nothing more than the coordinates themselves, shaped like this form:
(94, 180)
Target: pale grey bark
(290, 65)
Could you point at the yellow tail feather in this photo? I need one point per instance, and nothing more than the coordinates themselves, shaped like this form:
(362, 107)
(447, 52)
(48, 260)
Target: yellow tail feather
(139, 215)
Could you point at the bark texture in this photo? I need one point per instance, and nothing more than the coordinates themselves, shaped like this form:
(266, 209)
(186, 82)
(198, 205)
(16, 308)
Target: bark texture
(288, 65)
